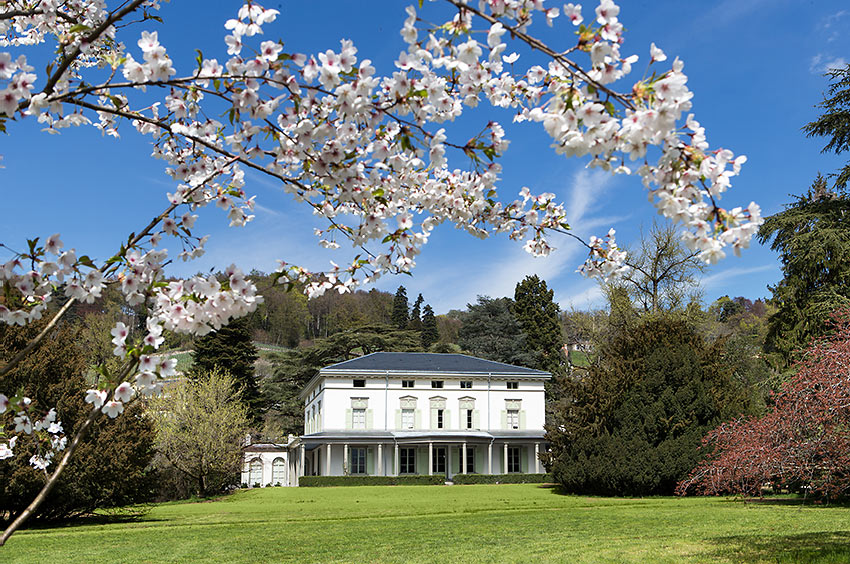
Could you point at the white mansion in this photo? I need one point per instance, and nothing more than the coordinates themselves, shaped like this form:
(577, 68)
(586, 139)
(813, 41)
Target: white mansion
(390, 414)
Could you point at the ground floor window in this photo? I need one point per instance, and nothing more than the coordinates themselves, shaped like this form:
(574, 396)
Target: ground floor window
(278, 471)
(255, 474)
(407, 460)
(514, 464)
(439, 463)
(470, 459)
(358, 460)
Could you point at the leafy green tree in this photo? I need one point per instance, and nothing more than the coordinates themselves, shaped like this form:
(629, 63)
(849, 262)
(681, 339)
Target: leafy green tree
(490, 330)
(110, 467)
(231, 349)
(539, 318)
(200, 426)
(811, 237)
(415, 322)
(401, 313)
(295, 368)
(430, 332)
(834, 123)
(632, 423)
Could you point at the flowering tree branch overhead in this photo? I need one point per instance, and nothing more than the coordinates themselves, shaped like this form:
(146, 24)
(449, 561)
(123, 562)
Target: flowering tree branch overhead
(370, 154)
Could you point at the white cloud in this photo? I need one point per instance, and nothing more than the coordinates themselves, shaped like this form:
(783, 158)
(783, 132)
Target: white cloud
(719, 278)
(589, 298)
(821, 63)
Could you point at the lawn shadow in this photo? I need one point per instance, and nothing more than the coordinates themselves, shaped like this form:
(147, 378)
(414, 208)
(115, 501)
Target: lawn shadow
(815, 548)
(110, 518)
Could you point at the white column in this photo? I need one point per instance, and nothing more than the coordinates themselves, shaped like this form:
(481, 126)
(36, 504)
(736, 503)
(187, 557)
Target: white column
(301, 462)
(395, 460)
(505, 460)
(536, 460)
(380, 465)
(463, 459)
(328, 460)
(490, 458)
(345, 459)
(430, 459)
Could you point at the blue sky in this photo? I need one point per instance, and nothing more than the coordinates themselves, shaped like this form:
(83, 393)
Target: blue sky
(755, 66)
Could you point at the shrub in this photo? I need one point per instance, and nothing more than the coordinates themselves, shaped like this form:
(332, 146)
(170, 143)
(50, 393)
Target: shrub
(502, 478)
(323, 481)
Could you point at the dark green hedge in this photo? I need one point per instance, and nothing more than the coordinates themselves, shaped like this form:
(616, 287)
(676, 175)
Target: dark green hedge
(322, 481)
(502, 478)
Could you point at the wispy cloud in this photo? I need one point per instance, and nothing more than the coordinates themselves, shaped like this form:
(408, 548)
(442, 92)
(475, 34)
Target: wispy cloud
(720, 278)
(587, 298)
(822, 63)
(830, 23)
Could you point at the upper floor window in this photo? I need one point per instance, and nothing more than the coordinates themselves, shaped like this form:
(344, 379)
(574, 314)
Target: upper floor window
(436, 383)
(513, 385)
(469, 419)
(407, 419)
(465, 384)
(407, 383)
(358, 418)
(360, 383)
(439, 419)
(513, 419)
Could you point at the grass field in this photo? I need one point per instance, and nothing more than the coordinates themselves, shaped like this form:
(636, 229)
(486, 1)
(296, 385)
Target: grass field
(485, 523)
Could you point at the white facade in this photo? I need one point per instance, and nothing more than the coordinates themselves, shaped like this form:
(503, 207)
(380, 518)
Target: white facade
(391, 414)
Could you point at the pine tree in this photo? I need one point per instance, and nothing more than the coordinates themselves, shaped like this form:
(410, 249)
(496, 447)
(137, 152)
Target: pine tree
(232, 350)
(430, 333)
(539, 317)
(415, 322)
(400, 317)
(835, 121)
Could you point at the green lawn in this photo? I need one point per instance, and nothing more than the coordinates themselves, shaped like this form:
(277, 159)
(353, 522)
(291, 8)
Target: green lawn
(484, 523)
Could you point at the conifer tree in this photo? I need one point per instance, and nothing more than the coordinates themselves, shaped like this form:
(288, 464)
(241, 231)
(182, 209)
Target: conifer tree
(415, 322)
(538, 315)
(231, 349)
(401, 315)
(430, 333)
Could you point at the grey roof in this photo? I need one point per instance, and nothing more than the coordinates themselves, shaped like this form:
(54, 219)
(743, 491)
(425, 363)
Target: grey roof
(431, 362)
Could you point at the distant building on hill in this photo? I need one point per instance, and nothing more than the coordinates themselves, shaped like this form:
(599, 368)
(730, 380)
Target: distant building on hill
(391, 414)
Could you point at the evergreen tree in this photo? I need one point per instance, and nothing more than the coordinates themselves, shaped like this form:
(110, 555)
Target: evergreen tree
(430, 333)
(231, 349)
(632, 424)
(810, 236)
(539, 317)
(835, 121)
(415, 322)
(490, 330)
(400, 317)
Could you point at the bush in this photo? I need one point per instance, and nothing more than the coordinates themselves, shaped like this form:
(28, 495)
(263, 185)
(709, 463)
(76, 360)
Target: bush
(502, 478)
(324, 481)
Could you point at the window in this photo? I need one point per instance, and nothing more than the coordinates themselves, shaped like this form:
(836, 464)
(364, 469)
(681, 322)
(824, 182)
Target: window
(358, 460)
(407, 383)
(360, 383)
(470, 459)
(436, 383)
(469, 419)
(465, 384)
(358, 418)
(513, 419)
(514, 465)
(439, 463)
(278, 472)
(407, 460)
(407, 419)
(255, 473)
(513, 385)
(439, 419)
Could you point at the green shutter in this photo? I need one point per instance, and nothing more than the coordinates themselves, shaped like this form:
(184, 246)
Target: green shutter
(504, 422)
(370, 461)
(398, 419)
(348, 424)
(422, 460)
(476, 419)
(480, 454)
(456, 459)
(369, 422)
(447, 419)
(433, 419)
(523, 459)
(417, 419)
(522, 419)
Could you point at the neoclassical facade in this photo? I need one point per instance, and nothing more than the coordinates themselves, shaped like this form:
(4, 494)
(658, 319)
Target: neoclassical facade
(389, 414)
